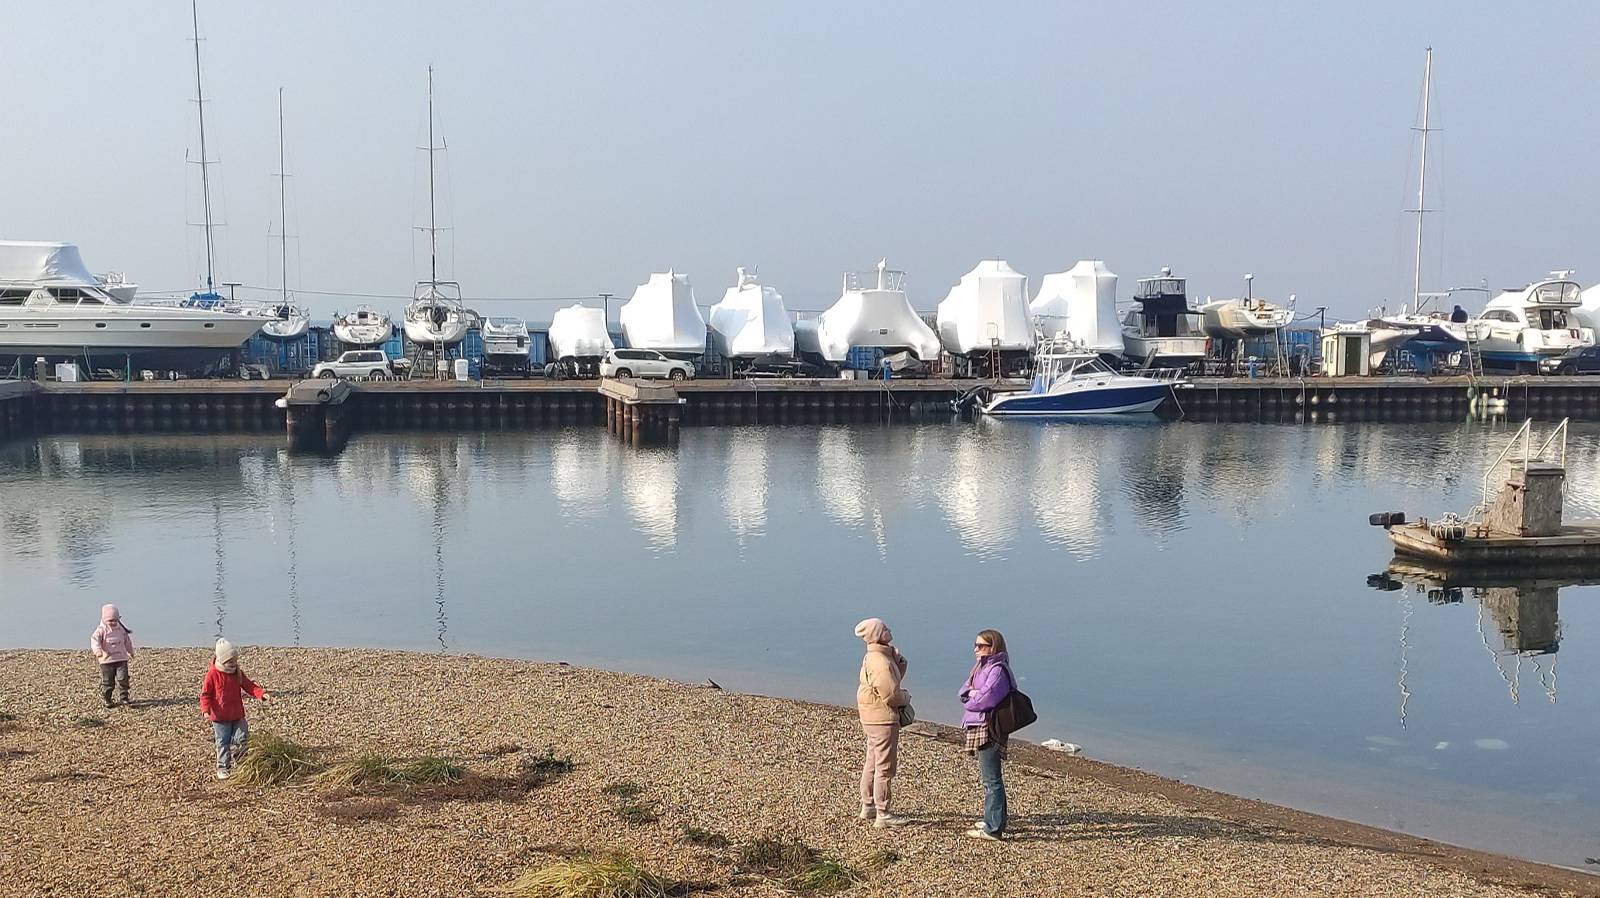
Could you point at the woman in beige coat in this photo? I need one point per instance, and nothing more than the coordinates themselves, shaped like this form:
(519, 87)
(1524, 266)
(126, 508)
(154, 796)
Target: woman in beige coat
(879, 697)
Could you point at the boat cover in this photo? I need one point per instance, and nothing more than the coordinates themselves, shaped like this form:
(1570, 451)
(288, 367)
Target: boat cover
(751, 321)
(578, 331)
(1080, 303)
(989, 303)
(662, 316)
(873, 310)
(44, 263)
(1588, 311)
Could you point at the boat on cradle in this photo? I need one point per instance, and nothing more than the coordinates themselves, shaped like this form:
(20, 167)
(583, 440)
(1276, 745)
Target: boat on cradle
(750, 326)
(1588, 310)
(1520, 327)
(1237, 319)
(662, 315)
(1081, 305)
(505, 339)
(1163, 332)
(435, 318)
(51, 306)
(872, 310)
(286, 321)
(1070, 380)
(362, 327)
(985, 321)
(118, 286)
(578, 339)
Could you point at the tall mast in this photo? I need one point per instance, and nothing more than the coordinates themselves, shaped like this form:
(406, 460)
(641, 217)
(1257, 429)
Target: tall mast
(1422, 184)
(433, 225)
(283, 214)
(205, 177)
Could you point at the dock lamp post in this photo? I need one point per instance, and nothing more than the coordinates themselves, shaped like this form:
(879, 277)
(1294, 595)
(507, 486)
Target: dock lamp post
(1247, 279)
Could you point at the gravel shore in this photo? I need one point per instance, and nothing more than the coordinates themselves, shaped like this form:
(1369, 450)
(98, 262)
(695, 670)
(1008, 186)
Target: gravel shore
(129, 805)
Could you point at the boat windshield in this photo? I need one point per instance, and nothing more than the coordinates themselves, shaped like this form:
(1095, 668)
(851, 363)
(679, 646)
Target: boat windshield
(1556, 293)
(509, 324)
(1550, 319)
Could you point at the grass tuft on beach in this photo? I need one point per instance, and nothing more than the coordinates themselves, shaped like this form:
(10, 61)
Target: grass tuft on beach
(272, 760)
(777, 856)
(364, 771)
(824, 877)
(432, 771)
(612, 876)
(693, 835)
(538, 770)
(90, 722)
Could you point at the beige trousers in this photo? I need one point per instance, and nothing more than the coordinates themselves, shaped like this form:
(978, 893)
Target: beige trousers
(877, 769)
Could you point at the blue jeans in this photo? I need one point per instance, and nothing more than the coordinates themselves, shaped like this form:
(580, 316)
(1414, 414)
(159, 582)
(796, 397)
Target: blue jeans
(994, 789)
(232, 735)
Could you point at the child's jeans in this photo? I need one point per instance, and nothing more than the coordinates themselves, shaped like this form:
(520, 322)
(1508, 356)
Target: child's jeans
(114, 674)
(231, 738)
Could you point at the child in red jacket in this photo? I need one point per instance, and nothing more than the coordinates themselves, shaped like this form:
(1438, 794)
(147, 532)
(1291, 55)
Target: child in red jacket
(222, 700)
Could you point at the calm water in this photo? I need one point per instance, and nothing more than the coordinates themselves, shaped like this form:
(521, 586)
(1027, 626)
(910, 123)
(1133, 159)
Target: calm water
(1187, 598)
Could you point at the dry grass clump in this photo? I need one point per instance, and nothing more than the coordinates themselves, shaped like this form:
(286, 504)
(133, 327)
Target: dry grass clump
(882, 860)
(432, 771)
(613, 876)
(824, 877)
(501, 750)
(623, 790)
(365, 771)
(537, 770)
(90, 721)
(361, 809)
(776, 856)
(693, 835)
(271, 760)
(636, 813)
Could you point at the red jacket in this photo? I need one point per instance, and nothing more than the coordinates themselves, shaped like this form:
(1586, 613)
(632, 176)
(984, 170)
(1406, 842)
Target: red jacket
(221, 699)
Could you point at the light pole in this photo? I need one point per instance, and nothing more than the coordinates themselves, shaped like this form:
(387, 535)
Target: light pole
(1247, 279)
(605, 310)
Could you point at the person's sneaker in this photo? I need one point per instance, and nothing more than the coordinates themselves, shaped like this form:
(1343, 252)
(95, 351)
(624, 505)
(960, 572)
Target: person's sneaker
(867, 812)
(126, 701)
(886, 819)
(222, 774)
(109, 702)
(978, 832)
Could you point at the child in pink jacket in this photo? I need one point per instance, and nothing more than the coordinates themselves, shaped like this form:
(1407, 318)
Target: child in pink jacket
(112, 644)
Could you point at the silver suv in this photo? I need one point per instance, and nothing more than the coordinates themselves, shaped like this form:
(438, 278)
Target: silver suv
(643, 363)
(357, 363)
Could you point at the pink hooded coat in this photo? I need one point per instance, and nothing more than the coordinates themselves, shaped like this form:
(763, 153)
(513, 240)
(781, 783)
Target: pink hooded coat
(111, 641)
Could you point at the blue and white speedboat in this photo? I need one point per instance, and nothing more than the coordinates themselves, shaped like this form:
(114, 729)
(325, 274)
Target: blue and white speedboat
(1070, 380)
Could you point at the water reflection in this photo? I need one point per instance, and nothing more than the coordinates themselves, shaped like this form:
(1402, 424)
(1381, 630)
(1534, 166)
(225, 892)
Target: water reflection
(984, 486)
(580, 472)
(650, 491)
(1067, 504)
(744, 485)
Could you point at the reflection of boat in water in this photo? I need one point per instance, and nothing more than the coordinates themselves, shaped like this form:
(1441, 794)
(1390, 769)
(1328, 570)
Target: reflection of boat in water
(744, 486)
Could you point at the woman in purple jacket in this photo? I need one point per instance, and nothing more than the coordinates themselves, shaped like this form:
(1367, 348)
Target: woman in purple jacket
(986, 687)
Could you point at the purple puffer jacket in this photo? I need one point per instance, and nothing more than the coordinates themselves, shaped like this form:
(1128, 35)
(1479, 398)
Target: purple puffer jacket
(987, 686)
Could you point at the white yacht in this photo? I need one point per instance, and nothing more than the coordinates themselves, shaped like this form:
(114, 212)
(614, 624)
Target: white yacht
(873, 310)
(1588, 310)
(505, 340)
(750, 325)
(285, 320)
(1071, 380)
(435, 317)
(1080, 303)
(1236, 319)
(662, 315)
(362, 327)
(1163, 332)
(986, 313)
(1520, 327)
(51, 306)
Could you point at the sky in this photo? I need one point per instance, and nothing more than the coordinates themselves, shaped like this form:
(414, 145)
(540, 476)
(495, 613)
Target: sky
(591, 143)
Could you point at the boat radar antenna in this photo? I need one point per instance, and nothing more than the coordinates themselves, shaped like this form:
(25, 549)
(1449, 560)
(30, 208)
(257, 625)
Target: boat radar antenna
(1422, 184)
(205, 161)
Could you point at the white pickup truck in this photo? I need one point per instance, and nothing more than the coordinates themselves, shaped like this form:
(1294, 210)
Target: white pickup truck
(361, 363)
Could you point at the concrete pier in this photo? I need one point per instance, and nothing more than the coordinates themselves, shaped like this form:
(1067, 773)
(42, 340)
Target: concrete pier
(314, 415)
(642, 411)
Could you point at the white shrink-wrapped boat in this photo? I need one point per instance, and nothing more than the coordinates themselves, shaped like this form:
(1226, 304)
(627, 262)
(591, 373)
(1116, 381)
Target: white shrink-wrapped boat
(872, 310)
(1588, 310)
(1236, 319)
(362, 327)
(578, 338)
(986, 312)
(1080, 303)
(750, 324)
(662, 316)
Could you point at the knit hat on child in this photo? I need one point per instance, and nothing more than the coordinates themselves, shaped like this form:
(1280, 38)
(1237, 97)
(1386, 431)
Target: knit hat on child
(227, 656)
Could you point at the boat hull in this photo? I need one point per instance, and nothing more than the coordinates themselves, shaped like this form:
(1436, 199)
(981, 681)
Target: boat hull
(426, 333)
(1180, 351)
(285, 330)
(1112, 400)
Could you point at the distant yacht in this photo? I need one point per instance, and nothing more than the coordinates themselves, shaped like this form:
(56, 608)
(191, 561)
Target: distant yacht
(435, 317)
(872, 310)
(505, 341)
(750, 325)
(1536, 322)
(1163, 332)
(285, 320)
(662, 315)
(1080, 303)
(362, 327)
(986, 315)
(578, 339)
(51, 306)
(1238, 319)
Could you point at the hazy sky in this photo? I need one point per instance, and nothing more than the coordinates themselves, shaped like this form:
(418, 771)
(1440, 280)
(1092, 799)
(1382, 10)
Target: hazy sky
(593, 142)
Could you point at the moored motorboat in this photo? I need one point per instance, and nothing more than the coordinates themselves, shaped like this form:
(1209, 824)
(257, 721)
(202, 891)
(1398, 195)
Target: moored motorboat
(1070, 380)
(52, 307)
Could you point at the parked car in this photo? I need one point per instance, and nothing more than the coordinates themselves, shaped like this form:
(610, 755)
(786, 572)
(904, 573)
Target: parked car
(1579, 360)
(360, 363)
(643, 363)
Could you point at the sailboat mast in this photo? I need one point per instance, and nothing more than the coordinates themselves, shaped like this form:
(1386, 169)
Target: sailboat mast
(1422, 184)
(205, 177)
(433, 225)
(283, 206)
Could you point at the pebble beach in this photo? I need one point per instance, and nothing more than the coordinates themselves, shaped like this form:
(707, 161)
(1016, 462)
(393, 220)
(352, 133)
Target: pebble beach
(677, 777)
